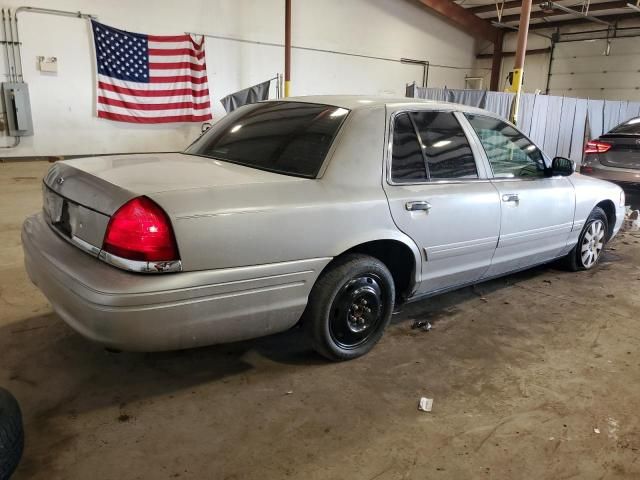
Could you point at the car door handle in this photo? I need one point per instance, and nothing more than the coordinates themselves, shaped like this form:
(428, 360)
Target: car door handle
(419, 205)
(510, 197)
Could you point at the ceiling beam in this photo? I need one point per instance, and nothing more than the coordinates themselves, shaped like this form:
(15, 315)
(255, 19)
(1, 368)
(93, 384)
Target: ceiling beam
(595, 7)
(582, 21)
(463, 19)
(535, 51)
(492, 6)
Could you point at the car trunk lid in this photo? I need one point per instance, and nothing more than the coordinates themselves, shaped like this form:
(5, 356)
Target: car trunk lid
(80, 196)
(624, 151)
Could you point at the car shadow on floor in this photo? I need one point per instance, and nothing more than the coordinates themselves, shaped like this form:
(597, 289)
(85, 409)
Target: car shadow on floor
(58, 370)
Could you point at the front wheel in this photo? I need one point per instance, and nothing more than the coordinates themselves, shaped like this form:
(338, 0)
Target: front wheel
(349, 307)
(590, 246)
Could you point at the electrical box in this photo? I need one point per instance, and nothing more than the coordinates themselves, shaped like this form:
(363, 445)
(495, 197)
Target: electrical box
(48, 64)
(18, 108)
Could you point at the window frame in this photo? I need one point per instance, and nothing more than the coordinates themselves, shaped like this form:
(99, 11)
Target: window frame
(489, 167)
(476, 149)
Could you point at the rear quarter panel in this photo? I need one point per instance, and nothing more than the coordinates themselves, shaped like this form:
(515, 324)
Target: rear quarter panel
(589, 193)
(299, 219)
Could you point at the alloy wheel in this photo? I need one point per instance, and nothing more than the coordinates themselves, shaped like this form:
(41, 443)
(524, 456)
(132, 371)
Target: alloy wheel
(592, 244)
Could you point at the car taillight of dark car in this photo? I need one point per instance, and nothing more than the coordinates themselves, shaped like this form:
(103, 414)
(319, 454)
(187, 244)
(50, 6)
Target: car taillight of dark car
(596, 146)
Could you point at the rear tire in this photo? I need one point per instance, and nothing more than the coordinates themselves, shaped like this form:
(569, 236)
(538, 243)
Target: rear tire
(591, 242)
(349, 307)
(11, 434)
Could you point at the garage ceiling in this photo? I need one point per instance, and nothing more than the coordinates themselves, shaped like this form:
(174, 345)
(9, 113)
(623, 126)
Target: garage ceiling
(507, 13)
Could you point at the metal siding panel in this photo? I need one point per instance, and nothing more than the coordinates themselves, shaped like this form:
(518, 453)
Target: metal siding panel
(566, 127)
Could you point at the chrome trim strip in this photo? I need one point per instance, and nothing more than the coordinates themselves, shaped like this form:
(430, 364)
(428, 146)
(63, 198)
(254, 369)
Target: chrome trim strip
(140, 266)
(85, 246)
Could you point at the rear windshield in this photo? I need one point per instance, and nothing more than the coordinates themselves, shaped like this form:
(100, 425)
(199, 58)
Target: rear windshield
(631, 127)
(292, 138)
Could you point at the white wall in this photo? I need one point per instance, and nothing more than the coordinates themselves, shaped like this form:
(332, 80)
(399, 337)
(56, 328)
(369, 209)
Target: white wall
(63, 104)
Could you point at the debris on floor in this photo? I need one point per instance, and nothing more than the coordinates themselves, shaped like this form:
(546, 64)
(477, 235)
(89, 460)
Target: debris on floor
(632, 220)
(613, 427)
(426, 404)
(423, 325)
(596, 430)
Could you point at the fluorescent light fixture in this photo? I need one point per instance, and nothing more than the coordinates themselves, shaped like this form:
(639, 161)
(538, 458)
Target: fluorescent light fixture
(441, 143)
(235, 128)
(339, 112)
(553, 5)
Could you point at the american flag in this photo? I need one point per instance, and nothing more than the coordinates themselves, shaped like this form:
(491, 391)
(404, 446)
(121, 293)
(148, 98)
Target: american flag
(150, 78)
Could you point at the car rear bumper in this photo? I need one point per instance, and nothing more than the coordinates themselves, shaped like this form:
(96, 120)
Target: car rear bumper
(139, 312)
(593, 168)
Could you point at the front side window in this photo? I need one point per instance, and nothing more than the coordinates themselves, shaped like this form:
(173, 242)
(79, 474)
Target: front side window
(430, 146)
(510, 153)
(292, 138)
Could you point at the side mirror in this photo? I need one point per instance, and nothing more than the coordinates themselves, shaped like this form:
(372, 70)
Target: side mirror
(562, 166)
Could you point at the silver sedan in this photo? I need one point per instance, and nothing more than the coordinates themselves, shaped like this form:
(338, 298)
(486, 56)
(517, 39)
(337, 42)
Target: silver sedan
(326, 211)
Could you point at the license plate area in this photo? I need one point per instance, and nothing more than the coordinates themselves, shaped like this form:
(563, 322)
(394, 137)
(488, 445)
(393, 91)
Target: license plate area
(57, 210)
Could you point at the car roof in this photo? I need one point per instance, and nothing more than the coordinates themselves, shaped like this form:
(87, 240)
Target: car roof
(353, 102)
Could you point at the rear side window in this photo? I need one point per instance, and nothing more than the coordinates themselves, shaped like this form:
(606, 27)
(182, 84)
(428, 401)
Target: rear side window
(291, 138)
(446, 147)
(430, 146)
(407, 164)
(630, 127)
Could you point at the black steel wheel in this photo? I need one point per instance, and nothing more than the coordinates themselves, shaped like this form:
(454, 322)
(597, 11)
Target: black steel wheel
(356, 311)
(350, 306)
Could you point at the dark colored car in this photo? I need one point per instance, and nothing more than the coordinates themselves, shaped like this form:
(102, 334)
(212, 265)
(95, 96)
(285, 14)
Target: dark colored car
(615, 156)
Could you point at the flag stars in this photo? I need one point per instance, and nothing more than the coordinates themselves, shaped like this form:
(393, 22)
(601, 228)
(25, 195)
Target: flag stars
(121, 55)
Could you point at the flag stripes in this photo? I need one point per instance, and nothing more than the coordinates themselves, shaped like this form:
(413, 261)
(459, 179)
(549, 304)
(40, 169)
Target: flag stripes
(150, 78)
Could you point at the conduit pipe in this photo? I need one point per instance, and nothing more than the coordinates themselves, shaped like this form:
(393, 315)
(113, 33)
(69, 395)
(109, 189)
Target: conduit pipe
(287, 48)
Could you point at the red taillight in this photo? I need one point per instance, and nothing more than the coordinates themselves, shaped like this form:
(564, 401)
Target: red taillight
(594, 146)
(141, 230)
(586, 169)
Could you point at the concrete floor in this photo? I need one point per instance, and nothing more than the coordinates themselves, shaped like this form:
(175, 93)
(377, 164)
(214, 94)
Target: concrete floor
(522, 370)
